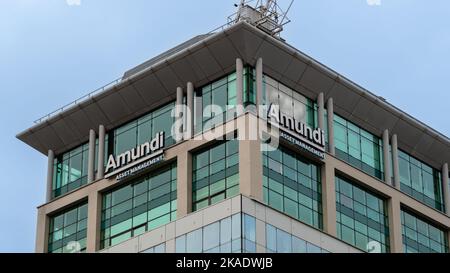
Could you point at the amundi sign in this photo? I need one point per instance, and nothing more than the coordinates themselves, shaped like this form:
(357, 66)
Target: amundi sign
(297, 132)
(137, 159)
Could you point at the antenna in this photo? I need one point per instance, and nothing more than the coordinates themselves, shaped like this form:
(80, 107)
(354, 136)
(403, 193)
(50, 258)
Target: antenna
(266, 15)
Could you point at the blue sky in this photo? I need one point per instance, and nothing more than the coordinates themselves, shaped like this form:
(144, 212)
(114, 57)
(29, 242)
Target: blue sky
(51, 53)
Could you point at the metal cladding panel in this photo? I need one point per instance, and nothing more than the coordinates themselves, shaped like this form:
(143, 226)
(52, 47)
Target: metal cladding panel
(274, 57)
(30, 139)
(150, 89)
(95, 114)
(49, 135)
(207, 63)
(132, 98)
(224, 52)
(168, 78)
(65, 133)
(315, 80)
(185, 70)
(380, 118)
(295, 70)
(344, 97)
(425, 143)
(408, 135)
(114, 107)
(247, 43)
(361, 109)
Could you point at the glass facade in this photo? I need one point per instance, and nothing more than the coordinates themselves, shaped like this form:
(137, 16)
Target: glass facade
(224, 236)
(70, 170)
(420, 181)
(221, 93)
(362, 219)
(215, 174)
(292, 185)
(143, 205)
(279, 241)
(139, 131)
(422, 237)
(68, 231)
(358, 147)
(290, 102)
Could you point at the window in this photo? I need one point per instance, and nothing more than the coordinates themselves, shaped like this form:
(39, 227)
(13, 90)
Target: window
(68, 231)
(224, 236)
(221, 93)
(290, 102)
(420, 236)
(292, 185)
(358, 147)
(420, 181)
(139, 131)
(140, 206)
(70, 170)
(279, 241)
(362, 219)
(215, 174)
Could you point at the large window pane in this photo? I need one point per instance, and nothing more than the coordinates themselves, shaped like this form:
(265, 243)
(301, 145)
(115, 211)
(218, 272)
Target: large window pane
(145, 204)
(293, 186)
(361, 216)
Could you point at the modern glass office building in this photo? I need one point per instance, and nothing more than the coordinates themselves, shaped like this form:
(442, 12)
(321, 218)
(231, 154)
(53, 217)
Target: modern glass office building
(166, 159)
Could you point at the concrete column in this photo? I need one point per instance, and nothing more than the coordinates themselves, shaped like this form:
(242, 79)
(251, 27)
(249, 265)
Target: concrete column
(91, 158)
(178, 112)
(250, 160)
(184, 184)
(395, 225)
(42, 230)
(190, 111)
(239, 83)
(321, 111)
(330, 109)
(329, 199)
(101, 152)
(386, 158)
(259, 83)
(94, 219)
(395, 166)
(50, 172)
(446, 189)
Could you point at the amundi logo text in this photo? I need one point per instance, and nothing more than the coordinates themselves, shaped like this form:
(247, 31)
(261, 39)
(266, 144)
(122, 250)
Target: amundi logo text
(135, 154)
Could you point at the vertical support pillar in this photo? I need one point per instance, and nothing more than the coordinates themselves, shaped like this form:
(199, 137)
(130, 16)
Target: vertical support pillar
(446, 189)
(101, 152)
(184, 184)
(259, 84)
(250, 159)
(239, 84)
(386, 158)
(395, 165)
(178, 115)
(42, 230)
(93, 225)
(395, 225)
(329, 199)
(50, 171)
(321, 111)
(330, 109)
(91, 158)
(190, 111)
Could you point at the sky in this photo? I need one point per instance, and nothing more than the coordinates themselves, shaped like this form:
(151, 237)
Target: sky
(55, 51)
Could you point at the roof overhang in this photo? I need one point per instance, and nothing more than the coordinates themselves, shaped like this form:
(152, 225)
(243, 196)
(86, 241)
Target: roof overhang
(211, 58)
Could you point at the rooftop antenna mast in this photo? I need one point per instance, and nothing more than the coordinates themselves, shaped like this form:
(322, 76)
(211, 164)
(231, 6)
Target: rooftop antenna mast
(266, 15)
